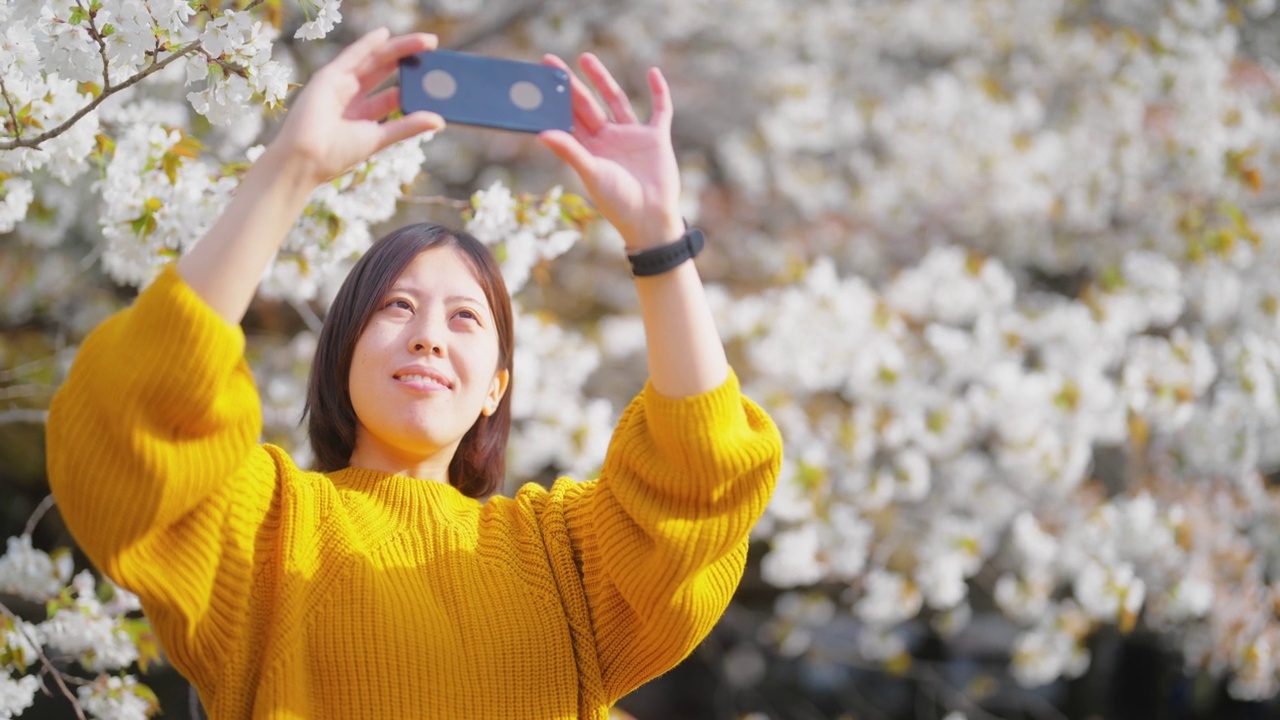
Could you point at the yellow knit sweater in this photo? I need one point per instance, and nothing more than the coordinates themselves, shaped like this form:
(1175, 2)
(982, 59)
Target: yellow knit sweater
(284, 593)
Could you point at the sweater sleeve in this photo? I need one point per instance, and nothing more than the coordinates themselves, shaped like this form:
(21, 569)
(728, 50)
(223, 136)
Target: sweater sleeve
(152, 456)
(660, 541)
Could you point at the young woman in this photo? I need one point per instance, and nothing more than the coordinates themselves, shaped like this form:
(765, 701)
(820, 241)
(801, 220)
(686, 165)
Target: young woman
(381, 586)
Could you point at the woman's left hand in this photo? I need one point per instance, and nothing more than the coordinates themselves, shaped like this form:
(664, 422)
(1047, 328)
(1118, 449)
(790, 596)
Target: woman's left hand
(628, 167)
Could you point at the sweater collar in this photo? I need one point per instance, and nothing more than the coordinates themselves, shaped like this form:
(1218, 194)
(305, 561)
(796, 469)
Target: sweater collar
(409, 500)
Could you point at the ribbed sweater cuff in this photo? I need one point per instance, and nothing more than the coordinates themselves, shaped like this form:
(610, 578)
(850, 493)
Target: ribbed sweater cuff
(695, 444)
(696, 412)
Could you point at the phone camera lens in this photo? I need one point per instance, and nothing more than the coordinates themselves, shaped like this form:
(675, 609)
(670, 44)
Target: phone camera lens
(439, 84)
(526, 96)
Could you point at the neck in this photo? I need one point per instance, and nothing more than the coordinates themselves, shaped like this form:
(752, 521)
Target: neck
(369, 454)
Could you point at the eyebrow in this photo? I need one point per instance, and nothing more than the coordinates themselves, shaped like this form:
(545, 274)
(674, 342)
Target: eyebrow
(452, 299)
(467, 299)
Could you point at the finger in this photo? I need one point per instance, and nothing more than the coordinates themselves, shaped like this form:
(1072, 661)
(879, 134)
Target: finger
(352, 54)
(567, 148)
(587, 113)
(408, 126)
(375, 106)
(663, 108)
(609, 89)
(381, 59)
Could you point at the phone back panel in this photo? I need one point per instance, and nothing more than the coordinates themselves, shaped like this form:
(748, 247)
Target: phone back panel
(486, 91)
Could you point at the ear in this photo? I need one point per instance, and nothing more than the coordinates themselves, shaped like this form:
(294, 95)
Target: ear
(497, 389)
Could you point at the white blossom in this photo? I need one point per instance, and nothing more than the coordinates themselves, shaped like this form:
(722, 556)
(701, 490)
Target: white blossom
(31, 573)
(979, 259)
(888, 599)
(325, 17)
(114, 698)
(16, 695)
(87, 631)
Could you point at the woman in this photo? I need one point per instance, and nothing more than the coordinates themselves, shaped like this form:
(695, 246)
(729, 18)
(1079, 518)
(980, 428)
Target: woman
(381, 586)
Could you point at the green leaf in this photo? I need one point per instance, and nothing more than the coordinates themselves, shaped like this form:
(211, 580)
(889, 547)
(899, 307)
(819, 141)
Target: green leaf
(57, 554)
(78, 15)
(143, 225)
(1069, 397)
(12, 656)
(149, 697)
(106, 145)
(170, 163)
(575, 210)
(810, 477)
(334, 224)
(144, 637)
(1110, 278)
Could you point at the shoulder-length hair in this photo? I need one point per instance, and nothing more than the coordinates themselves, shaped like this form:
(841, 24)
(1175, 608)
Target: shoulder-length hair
(479, 465)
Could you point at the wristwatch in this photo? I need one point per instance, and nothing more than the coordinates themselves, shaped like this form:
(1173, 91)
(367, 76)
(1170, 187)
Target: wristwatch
(656, 261)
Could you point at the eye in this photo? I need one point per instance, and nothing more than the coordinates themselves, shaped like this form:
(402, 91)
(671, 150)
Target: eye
(467, 314)
(399, 304)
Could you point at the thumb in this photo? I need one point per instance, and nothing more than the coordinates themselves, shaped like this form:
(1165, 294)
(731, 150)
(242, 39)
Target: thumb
(568, 149)
(408, 126)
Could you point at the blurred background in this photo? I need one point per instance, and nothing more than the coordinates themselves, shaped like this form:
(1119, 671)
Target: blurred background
(1001, 270)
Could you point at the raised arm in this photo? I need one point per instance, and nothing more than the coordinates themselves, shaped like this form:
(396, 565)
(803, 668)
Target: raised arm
(658, 545)
(333, 124)
(152, 441)
(629, 169)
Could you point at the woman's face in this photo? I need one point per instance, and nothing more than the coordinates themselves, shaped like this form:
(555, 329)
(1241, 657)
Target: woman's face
(426, 366)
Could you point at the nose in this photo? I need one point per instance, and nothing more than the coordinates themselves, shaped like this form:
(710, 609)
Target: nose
(428, 337)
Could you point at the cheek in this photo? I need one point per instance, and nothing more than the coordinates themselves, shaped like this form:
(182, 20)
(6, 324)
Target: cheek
(364, 359)
(484, 360)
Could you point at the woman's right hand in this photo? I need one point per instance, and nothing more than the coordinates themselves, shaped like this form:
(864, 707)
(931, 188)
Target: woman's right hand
(335, 123)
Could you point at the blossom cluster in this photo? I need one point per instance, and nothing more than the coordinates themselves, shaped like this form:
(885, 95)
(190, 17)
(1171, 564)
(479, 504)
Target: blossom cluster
(1025, 321)
(1001, 270)
(103, 635)
(76, 62)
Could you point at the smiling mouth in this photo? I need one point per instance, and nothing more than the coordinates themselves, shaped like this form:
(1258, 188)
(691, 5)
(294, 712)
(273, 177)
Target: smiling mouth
(426, 382)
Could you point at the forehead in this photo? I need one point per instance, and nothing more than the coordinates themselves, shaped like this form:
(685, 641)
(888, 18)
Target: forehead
(441, 270)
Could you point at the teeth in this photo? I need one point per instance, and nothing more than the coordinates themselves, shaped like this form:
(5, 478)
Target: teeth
(420, 378)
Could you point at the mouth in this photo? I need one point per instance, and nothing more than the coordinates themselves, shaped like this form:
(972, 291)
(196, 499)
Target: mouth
(422, 379)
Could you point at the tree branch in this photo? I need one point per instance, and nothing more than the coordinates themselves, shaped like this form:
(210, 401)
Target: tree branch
(106, 92)
(45, 662)
(309, 316)
(107, 88)
(17, 371)
(13, 114)
(22, 415)
(193, 703)
(38, 514)
(440, 200)
(102, 46)
(24, 391)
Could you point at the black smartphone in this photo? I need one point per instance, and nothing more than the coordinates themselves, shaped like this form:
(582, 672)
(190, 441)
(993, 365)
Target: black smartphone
(486, 91)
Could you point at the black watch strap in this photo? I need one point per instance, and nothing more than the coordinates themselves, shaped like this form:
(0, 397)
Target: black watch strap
(656, 261)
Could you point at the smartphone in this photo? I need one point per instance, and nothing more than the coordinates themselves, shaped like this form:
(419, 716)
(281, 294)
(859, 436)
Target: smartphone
(486, 91)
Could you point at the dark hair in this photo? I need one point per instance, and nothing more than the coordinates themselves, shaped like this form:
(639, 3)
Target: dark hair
(479, 465)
